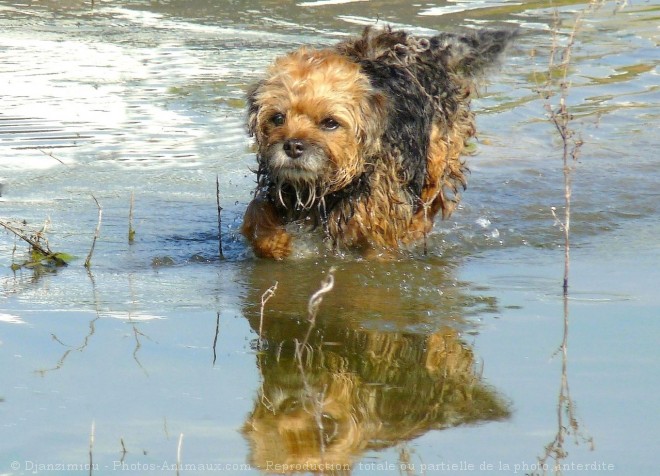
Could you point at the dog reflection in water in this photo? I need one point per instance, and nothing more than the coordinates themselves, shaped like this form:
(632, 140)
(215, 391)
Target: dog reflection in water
(364, 140)
(358, 391)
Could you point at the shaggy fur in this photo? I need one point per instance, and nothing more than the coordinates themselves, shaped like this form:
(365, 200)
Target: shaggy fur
(363, 140)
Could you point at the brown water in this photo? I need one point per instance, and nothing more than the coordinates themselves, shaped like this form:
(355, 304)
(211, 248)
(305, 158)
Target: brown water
(446, 363)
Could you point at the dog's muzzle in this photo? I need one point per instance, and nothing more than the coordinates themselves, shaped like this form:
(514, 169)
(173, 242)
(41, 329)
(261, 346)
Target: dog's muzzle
(294, 148)
(296, 160)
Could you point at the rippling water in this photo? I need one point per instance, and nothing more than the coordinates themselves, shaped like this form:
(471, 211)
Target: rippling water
(445, 358)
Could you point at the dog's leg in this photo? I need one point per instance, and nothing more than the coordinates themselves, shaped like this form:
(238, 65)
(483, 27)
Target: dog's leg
(264, 229)
(444, 173)
(374, 227)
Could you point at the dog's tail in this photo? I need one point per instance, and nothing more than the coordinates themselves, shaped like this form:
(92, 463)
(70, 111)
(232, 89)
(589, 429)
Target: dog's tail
(466, 54)
(471, 54)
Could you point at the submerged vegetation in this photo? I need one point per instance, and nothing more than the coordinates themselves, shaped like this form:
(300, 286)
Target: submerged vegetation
(40, 254)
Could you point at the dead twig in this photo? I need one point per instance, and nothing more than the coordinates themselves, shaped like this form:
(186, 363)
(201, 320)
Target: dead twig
(40, 251)
(269, 293)
(217, 199)
(315, 302)
(88, 261)
(34, 243)
(131, 230)
(51, 155)
(560, 117)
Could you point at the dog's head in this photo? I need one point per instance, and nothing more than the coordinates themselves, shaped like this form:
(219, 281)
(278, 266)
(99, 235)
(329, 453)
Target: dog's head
(316, 119)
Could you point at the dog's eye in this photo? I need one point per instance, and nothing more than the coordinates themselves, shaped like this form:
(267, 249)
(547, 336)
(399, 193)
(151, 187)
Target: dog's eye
(278, 119)
(329, 124)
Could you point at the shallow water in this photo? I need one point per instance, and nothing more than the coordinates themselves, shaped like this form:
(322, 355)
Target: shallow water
(445, 359)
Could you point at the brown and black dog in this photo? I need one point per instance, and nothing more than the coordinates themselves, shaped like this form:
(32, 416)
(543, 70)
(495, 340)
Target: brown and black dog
(364, 140)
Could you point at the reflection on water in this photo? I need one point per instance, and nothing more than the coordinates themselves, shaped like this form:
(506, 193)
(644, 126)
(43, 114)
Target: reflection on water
(411, 295)
(129, 315)
(568, 424)
(360, 391)
(354, 386)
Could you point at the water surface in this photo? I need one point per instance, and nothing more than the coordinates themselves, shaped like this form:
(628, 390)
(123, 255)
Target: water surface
(450, 358)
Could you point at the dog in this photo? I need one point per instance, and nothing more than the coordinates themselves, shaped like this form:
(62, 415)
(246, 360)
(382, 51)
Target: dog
(364, 139)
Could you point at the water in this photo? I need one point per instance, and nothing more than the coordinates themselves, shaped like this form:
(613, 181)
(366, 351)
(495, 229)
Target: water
(432, 361)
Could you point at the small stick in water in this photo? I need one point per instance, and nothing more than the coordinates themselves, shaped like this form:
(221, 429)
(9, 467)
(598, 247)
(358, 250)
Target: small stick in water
(88, 261)
(264, 299)
(315, 302)
(217, 198)
(131, 230)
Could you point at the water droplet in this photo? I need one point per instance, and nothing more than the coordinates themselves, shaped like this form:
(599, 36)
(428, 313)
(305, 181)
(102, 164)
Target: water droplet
(483, 222)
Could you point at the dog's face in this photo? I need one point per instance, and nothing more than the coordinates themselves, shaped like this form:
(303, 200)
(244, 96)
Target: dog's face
(315, 119)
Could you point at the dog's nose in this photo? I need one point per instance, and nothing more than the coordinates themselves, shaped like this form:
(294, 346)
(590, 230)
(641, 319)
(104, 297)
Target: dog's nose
(294, 148)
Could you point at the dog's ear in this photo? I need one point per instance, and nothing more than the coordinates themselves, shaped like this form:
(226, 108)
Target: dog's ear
(253, 107)
(374, 120)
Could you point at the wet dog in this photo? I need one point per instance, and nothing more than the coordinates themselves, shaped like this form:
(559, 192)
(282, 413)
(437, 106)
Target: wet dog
(364, 140)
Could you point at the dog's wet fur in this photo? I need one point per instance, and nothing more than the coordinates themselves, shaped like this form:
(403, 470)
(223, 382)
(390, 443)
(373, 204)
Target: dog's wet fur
(364, 140)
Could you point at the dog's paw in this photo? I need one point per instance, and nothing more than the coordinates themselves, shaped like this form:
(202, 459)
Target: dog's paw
(275, 246)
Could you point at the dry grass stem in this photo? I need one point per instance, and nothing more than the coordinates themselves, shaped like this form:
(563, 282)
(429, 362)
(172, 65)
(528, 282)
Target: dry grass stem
(88, 261)
(51, 155)
(560, 117)
(315, 302)
(33, 241)
(269, 293)
(40, 252)
(131, 230)
(217, 199)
